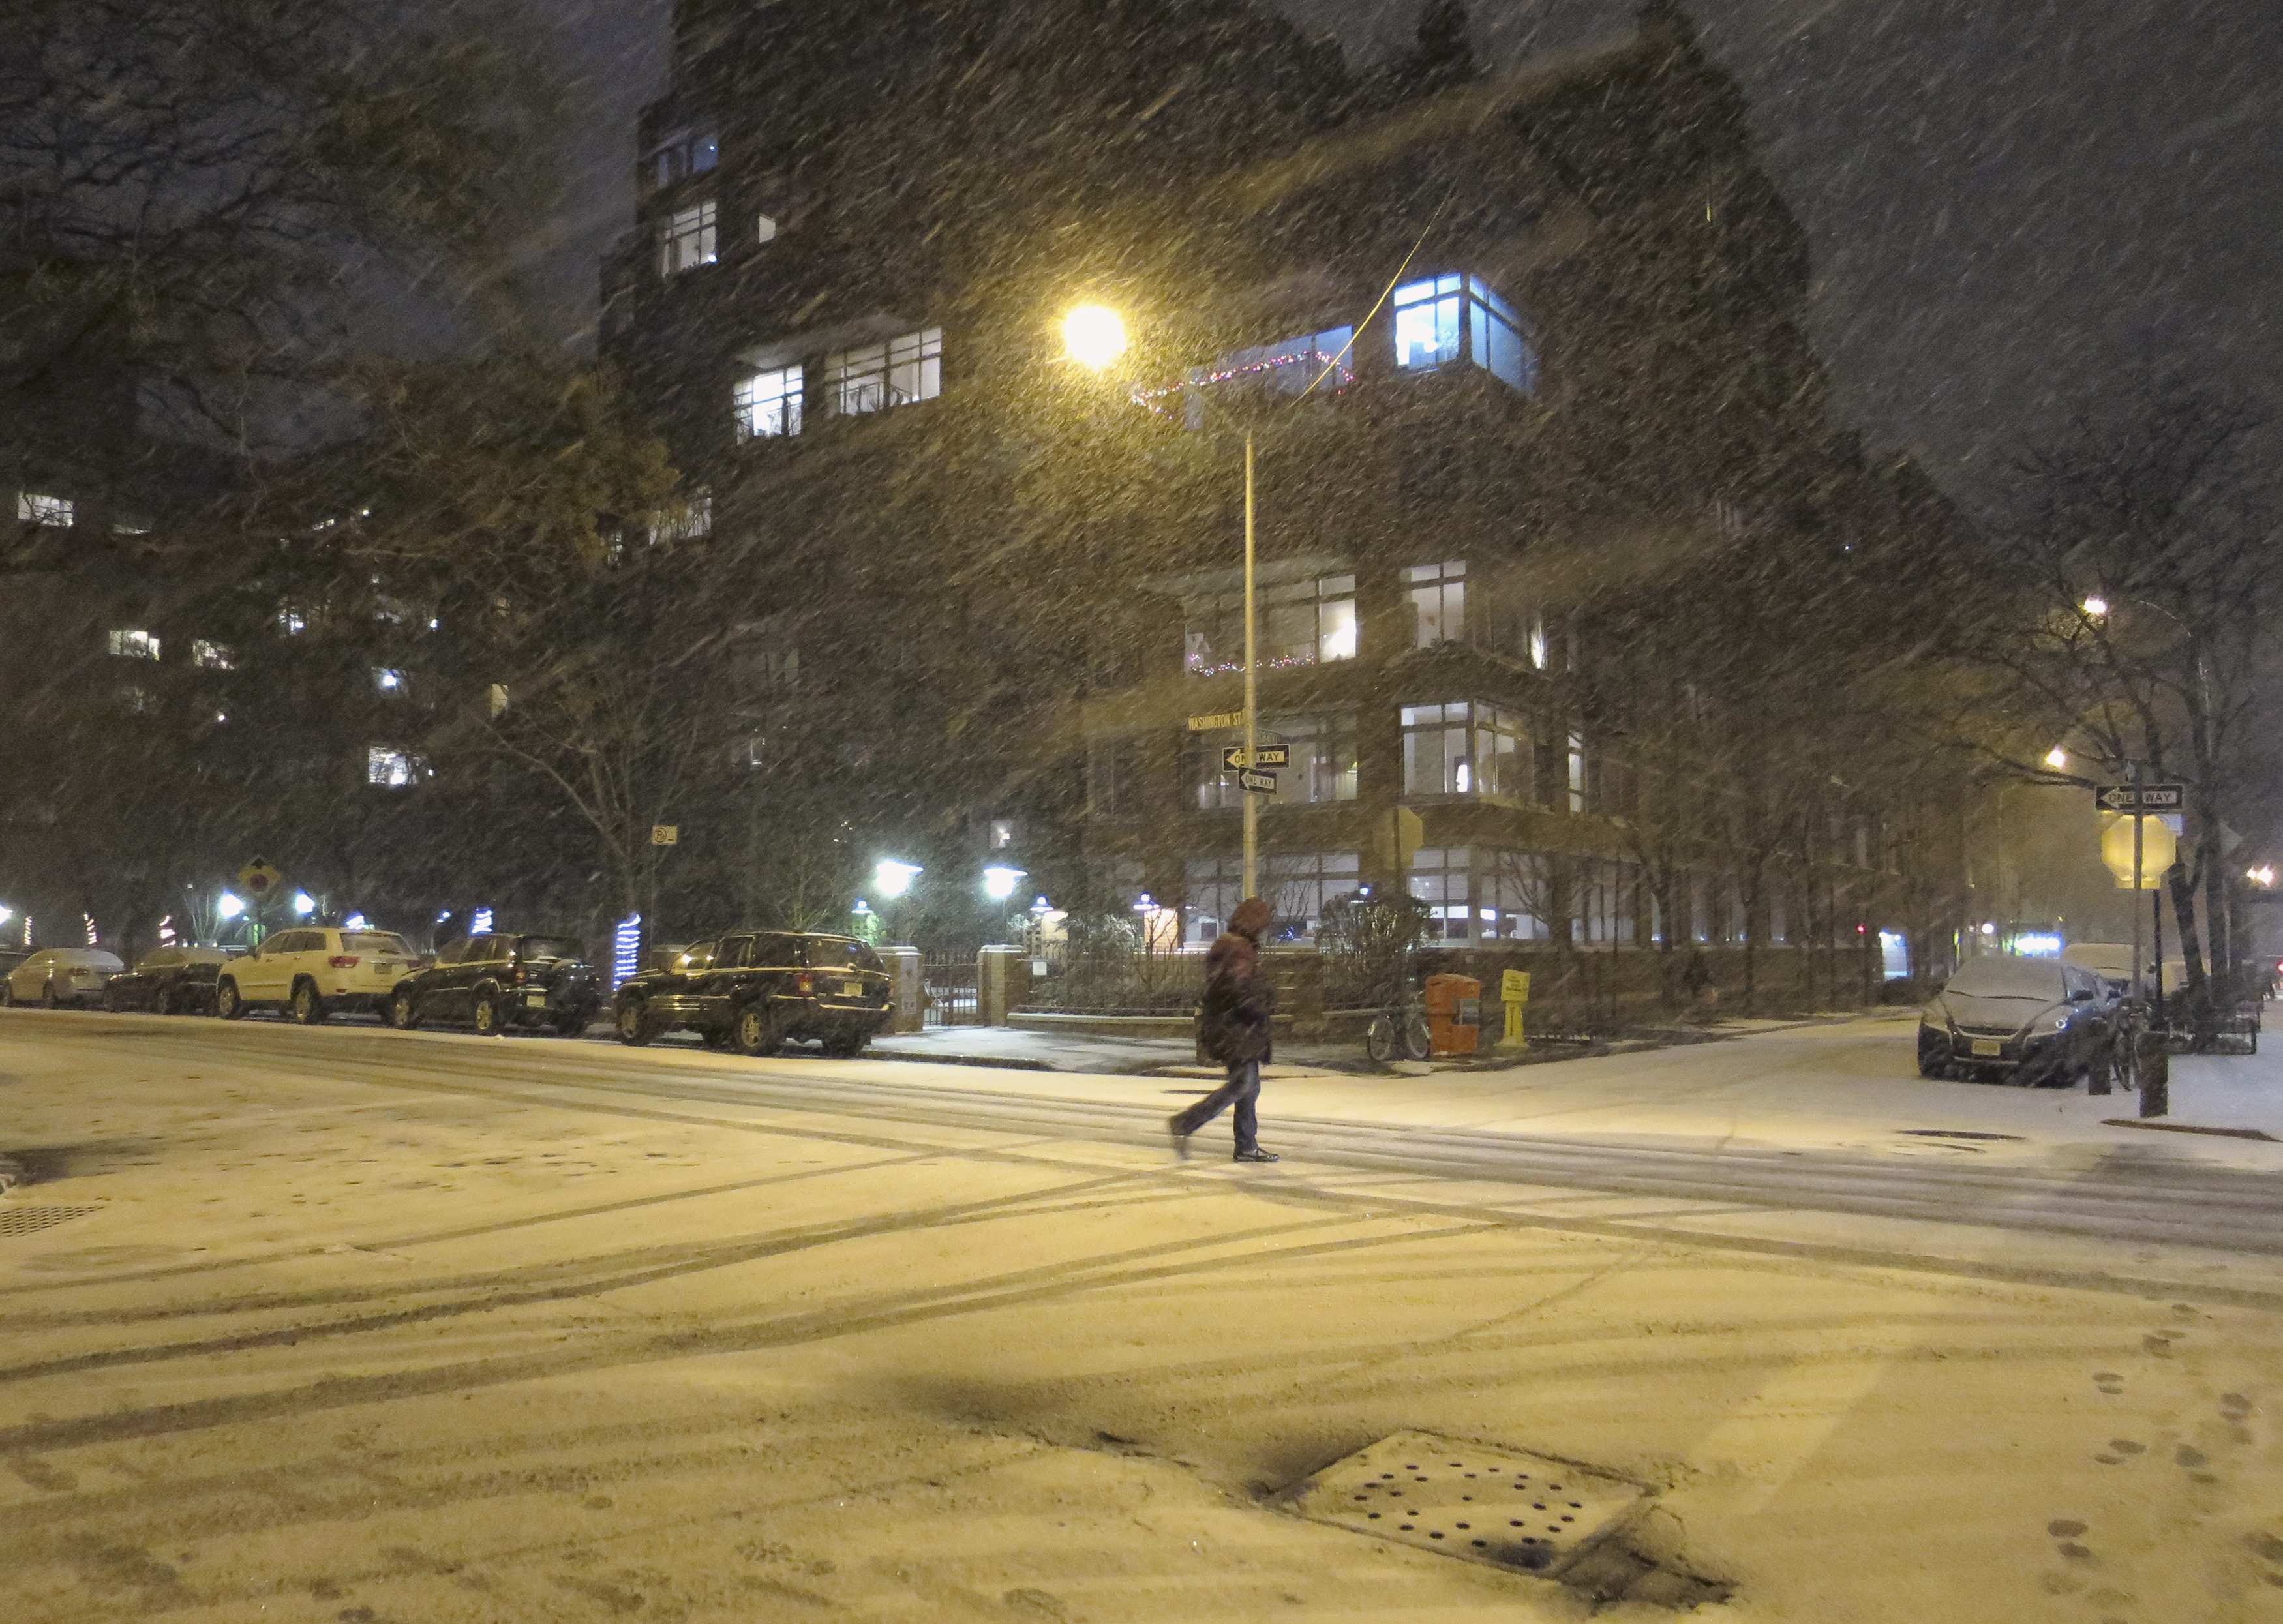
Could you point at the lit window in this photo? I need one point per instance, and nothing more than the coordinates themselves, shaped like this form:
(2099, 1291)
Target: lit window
(1302, 623)
(291, 620)
(1427, 322)
(765, 229)
(386, 680)
(1299, 883)
(212, 656)
(1438, 603)
(894, 373)
(495, 697)
(1003, 834)
(1466, 749)
(685, 240)
(135, 644)
(54, 511)
(767, 404)
(129, 527)
(1499, 347)
(391, 769)
(1576, 772)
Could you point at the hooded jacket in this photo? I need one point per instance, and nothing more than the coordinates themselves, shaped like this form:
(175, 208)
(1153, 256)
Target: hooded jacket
(1232, 1020)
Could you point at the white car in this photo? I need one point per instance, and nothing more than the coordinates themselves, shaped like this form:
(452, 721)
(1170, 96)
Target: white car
(311, 972)
(61, 975)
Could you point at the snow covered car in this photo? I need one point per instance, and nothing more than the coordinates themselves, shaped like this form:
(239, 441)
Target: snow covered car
(57, 976)
(2112, 961)
(2028, 1021)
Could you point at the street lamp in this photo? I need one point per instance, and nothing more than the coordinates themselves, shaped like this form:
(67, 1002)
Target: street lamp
(229, 905)
(999, 881)
(1093, 335)
(2057, 759)
(2263, 875)
(892, 878)
(2095, 607)
(304, 905)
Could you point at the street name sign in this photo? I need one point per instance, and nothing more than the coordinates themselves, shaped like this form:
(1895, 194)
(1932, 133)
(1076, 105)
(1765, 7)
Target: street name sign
(665, 834)
(1267, 755)
(2142, 798)
(1258, 783)
(1219, 719)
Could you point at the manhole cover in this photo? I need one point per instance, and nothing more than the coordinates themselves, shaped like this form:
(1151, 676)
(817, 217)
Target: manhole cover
(1502, 1506)
(31, 1220)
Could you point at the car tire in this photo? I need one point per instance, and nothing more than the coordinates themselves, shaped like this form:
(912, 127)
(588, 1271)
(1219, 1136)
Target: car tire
(228, 1004)
(48, 998)
(484, 1015)
(713, 1037)
(111, 1002)
(635, 1024)
(753, 1031)
(404, 1010)
(572, 1025)
(308, 1008)
(7, 992)
(846, 1048)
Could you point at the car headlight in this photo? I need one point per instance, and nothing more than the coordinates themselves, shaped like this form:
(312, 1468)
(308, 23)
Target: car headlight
(2051, 1024)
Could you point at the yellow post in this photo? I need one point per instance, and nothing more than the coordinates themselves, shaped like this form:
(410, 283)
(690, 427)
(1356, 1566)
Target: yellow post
(1514, 993)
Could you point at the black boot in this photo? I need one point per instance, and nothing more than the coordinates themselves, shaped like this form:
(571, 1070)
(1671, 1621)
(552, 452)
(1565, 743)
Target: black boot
(1253, 1152)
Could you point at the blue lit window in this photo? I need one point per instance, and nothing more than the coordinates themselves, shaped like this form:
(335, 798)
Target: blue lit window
(1427, 322)
(1499, 347)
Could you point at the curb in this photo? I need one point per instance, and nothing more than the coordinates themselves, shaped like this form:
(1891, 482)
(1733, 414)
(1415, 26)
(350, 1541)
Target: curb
(2161, 1126)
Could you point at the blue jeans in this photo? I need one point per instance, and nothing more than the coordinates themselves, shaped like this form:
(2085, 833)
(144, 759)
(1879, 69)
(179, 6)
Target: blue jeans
(1240, 1091)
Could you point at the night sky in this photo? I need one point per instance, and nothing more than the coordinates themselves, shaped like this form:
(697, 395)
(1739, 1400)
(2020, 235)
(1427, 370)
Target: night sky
(2008, 201)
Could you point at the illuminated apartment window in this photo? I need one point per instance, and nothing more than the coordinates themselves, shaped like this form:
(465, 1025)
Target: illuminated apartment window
(54, 511)
(767, 404)
(1466, 749)
(135, 644)
(1438, 603)
(896, 372)
(1301, 623)
(685, 240)
(391, 769)
(212, 656)
(1427, 321)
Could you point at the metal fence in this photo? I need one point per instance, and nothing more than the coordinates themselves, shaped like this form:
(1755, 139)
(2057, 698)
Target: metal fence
(1135, 983)
(951, 997)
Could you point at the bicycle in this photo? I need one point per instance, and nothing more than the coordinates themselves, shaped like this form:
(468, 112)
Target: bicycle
(2126, 1032)
(1398, 1031)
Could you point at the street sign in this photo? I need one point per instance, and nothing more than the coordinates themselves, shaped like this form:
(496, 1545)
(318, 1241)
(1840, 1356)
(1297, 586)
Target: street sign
(1219, 719)
(259, 878)
(2142, 798)
(1266, 756)
(665, 834)
(1258, 783)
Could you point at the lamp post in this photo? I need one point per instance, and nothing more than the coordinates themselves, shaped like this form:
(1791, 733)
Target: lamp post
(1094, 337)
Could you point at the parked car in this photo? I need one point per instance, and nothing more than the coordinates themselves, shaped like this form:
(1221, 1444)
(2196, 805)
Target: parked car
(312, 972)
(170, 981)
(2031, 1021)
(753, 990)
(501, 980)
(2112, 961)
(61, 976)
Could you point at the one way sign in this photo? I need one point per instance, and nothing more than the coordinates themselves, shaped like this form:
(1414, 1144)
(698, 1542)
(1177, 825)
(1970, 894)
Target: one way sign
(2142, 797)
(1266, 756)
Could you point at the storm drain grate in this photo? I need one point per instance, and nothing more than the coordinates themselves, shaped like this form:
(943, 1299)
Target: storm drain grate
(15, 1221)
(1499, 1506)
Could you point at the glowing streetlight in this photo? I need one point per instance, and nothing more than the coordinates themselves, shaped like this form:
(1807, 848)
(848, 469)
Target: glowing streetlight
(892, 878)
(2095, 607)
(1092, 336)
(2264, 874)
(356, 922)
(999, 881)
(229, 906)
(2057, 759)
(304, 905)
(6, 914)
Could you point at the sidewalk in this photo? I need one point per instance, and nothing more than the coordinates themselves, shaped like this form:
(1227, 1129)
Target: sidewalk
(1014, 1049)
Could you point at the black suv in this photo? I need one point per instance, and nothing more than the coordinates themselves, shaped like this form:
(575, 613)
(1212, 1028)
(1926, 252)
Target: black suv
(497, 980)
(753, 989)
(171, 981)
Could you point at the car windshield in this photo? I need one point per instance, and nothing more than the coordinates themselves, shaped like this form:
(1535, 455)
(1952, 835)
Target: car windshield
(2003, 977)
(373, 941)
(550, 947)
(841, 953)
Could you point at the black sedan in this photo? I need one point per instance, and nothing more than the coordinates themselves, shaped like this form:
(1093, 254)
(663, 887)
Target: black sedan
(167, 981)
(501, 980)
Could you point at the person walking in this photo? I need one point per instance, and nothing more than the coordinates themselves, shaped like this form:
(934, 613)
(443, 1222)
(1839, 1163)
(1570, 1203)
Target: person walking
(1233, 1024)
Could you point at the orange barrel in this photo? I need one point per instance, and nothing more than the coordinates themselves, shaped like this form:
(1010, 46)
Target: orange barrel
(1454, 1014)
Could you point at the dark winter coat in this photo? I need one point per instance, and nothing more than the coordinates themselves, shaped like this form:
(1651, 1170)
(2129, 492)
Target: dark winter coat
(1233, 1022)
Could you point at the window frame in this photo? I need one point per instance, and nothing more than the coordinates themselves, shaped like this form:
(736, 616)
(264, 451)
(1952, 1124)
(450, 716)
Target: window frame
(1443, 294)
(749, 405)
(689, 239)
